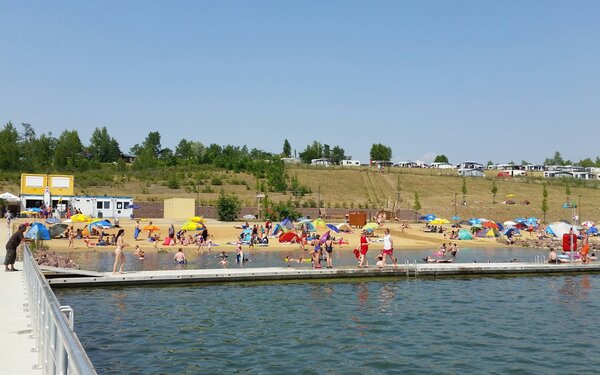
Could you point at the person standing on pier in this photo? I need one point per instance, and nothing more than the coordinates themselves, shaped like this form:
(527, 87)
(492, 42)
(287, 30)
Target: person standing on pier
(364, 248)
(119, 255)
(11, 248)
(388, 247)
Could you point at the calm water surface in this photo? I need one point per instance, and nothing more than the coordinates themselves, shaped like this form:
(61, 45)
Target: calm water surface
(510, 325)
(103, 261)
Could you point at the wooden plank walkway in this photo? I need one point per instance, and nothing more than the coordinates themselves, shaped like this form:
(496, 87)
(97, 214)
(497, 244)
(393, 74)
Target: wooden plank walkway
(290, 273)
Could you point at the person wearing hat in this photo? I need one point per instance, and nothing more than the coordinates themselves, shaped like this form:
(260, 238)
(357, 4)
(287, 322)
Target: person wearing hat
(11, 248)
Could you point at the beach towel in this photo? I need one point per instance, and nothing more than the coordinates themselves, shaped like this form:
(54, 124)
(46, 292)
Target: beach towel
(167, 241)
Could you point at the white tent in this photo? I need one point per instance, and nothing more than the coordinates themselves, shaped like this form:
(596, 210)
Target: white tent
(11, 198)
(559, 228)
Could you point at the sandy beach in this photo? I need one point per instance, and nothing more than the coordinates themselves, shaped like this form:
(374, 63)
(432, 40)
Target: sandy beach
(226, 232)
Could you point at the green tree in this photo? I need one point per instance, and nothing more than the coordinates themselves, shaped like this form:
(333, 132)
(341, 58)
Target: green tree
(103, 147)
(338, 154)
(380, 152)
(9, 150)
(312, 151)
(555, 160)
(441, 159)
(185, 151)
(545, 201)
(148, 152)
(287, 149)
(464, 190)
(326, 151)
(586, 163)
(68, 151)
(494, 191)
(416, 204)
(228, 206)
(568, 191)
(277, 175)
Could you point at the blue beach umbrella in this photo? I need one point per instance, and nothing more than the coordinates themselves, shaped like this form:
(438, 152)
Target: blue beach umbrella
(455, 218)
(333, 228)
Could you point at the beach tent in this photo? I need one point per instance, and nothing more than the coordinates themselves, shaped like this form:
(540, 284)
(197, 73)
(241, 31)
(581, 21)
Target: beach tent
(37, 231)
(276, 229)
(246, 235)
(509, 223)
(319, 223)
(289, 237)
(464, 222)
(57, 230)
(486, 232)
(559, 228)
(464, 234)
(287, 223)
(511, 231)
(344, 227)
(307, 225)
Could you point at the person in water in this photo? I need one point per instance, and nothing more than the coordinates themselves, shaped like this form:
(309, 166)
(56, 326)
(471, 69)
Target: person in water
(139, 252)
(179, 257)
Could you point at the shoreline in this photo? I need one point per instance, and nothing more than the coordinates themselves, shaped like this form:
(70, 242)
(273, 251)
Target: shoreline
(224, 232)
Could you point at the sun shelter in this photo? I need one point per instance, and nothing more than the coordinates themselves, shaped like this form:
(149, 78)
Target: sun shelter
(57, 229)
(37, 231)
(307, 225)
(559, 228)
(319, 223)
(289, 237)
(464, 234)
(344, 227)
(287, 223)
(276, 229)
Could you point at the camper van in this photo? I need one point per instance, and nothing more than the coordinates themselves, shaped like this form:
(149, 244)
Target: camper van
(470, 169)
(350, 163)
(511, 170)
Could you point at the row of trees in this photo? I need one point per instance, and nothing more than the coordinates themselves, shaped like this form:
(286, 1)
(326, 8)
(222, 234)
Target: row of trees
(26, 151)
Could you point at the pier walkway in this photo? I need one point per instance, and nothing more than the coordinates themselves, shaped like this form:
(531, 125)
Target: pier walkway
(84, 279)
(16, 342)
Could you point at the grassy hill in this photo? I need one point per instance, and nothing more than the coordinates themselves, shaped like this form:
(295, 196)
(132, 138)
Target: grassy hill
(353, 187)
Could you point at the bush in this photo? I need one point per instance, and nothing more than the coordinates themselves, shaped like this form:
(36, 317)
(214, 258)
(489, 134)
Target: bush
(228, 206)
(216, 181)
(173, 182)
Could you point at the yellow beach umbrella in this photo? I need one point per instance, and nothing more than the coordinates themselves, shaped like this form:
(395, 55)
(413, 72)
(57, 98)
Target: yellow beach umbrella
(197, 219)
(439, 221)
(190, 225)
(80, 218)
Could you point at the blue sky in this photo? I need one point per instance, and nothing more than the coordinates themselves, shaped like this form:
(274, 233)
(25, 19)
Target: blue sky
(476, 80)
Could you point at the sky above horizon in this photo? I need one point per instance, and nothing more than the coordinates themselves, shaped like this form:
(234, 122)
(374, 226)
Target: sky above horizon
(473, 80)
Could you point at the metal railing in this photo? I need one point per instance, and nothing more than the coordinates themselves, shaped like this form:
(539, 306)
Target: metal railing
(58, 347)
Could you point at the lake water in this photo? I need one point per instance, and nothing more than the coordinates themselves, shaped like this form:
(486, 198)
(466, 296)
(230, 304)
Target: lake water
(103, 261)
(508, 325)
(493, 325)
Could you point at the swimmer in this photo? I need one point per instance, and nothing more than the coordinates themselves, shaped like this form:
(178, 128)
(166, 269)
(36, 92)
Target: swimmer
(139, 252)
(179, 257)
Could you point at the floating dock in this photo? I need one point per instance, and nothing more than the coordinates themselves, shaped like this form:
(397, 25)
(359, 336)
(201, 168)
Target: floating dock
(75, 278)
